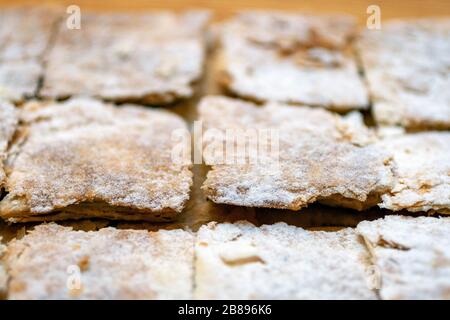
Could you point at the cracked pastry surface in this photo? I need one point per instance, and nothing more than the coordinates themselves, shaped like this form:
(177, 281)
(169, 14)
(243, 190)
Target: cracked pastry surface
(83, 158)
(422, 173)
(8, 123)
(319, 156)
(300, 59)
(55, 262)
(279, 262)
(406, 65)
(412, 256)
(147, 58)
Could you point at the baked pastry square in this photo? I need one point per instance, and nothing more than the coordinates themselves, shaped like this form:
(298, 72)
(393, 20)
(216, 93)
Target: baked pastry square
(422, 172)
(406, 65)
(55, 262)
(241, 261)
(152, 58)
(84, 159)
(292, 58)
(25, 34)
(320, 157)
(8, 124)
(411, 255)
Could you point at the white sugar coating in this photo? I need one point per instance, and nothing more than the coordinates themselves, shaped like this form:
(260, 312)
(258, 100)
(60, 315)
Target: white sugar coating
(412, 256)
(422, 172)
(241, 261)
(25, 32)
(273, 56)
(322, 157)
(406, 64)
(83, 151)
(151, 58)
(55, 262)
(19, 79)
(8, 123)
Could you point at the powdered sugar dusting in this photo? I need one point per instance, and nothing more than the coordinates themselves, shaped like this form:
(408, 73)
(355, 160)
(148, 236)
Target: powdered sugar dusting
(323, 157)
(279, 262)
(411, 254)
(23, 41)
(272, 56)
(151, 58)
(406, 64)
(112, 264)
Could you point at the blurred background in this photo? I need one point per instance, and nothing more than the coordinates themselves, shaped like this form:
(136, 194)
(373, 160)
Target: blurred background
(223, 8)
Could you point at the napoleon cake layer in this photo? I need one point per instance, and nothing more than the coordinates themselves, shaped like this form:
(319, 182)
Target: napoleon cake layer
(152, 58)
(25, 33)
(8, 124)
(412, 256)
(300, 59)
(241, 261)
(83, 159)
(319, 156)
(406, 64)
(422, 172)
(55, 262)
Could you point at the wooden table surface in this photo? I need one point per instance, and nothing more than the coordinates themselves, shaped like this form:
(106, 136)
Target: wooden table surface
(223, 8)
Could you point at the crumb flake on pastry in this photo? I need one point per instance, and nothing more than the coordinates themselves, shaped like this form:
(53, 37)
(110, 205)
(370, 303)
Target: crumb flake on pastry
(406, 64)
(149, 58)
(83, 158)
(300, 59)
(241, 261)
(411, 255)
(55, 262)
(322, 157)
(422, 172)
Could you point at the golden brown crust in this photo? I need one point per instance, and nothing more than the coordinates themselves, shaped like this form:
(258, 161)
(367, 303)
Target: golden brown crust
(85, 152)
